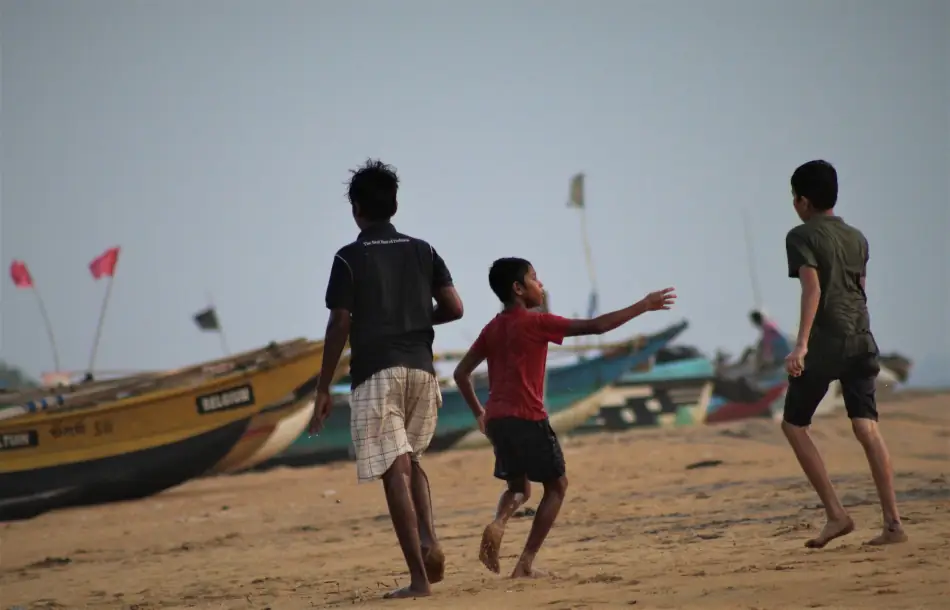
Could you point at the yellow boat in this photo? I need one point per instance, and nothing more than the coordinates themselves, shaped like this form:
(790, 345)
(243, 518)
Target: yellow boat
(276, 426)
(268, 434)
(148, 436)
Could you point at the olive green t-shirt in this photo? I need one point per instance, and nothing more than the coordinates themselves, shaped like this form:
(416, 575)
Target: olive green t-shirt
(842, 328)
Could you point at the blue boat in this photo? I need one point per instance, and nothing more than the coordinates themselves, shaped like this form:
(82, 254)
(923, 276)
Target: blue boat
(565, 386)
(669, 394)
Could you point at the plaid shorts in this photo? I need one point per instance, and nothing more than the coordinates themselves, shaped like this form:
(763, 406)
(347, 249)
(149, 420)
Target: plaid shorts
(392, 413)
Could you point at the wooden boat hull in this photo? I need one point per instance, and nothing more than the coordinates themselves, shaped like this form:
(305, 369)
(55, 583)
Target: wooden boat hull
(127, 476)
(269, 433)
(567, 386)
(771, 401)
(670, 394)
(736, 410)
(80, 439)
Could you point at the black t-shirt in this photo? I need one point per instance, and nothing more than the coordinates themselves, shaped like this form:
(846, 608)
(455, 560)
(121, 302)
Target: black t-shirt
(840, 254)
(387, 280)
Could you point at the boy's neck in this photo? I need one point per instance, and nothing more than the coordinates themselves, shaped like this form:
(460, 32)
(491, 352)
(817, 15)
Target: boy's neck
(369, 225)
(822, 214)
(514, 306)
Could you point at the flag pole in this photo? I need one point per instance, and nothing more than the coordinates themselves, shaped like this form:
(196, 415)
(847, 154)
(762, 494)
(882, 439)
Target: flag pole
(588, 255)
(750, 259)
(589, 259)
(221, 337)
(102, 316)
(48, 325)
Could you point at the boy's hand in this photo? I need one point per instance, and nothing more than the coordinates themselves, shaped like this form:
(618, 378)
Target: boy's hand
(481, 422)
(795, 362)
(321, 411)
(661, 299)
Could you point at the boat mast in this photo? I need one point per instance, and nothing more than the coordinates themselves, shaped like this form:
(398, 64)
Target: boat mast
(750, 259)
(577, 200)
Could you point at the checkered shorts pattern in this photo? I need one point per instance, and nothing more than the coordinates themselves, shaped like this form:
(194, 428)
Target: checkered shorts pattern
(391, 413)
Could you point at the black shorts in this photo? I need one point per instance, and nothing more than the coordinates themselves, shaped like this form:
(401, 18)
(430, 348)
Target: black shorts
(857, 379)
(525, 448)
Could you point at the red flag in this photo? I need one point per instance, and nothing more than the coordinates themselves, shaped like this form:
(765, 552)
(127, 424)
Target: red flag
(104, 264)
(20, 275)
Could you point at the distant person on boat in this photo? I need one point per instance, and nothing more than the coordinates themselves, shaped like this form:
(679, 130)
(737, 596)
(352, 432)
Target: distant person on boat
(773, 346)
(830, 258)
(515, 343)
(380, 297)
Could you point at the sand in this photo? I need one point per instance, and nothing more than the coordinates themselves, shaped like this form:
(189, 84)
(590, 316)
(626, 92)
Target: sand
(638, 529)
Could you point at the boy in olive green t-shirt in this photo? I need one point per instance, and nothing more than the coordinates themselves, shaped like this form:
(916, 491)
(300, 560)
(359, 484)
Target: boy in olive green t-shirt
(829, 257)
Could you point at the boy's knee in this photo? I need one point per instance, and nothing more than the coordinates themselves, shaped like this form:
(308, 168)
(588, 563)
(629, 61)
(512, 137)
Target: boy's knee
(399, 471)
(558, 486)
(865, 430)
(791, 430)
(520, 487)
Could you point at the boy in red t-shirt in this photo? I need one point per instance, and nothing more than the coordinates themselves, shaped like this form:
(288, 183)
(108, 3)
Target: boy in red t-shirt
(515, 343)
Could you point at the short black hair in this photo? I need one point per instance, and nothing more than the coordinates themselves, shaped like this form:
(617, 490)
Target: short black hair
(816, 181)
(756, 316)
(373, 187)
(504, 273)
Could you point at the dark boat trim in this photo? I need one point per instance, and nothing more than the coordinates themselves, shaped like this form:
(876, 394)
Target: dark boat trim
(121, 477)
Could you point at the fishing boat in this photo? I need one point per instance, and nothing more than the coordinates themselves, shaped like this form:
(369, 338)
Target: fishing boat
(86, 393)
(727, 411)
(566, 387)
(269, 432)
(148, 436)
(38, 399)
(762, 393)
(669, 394)
(275, 427)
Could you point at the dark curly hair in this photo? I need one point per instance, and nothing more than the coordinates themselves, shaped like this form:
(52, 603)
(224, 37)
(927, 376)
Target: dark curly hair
(373, 188)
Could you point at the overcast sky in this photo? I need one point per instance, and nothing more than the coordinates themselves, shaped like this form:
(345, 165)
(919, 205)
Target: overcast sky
(211, 141)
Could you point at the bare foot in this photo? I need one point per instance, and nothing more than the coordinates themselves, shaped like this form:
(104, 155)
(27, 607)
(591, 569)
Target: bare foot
(434, 560)
(491, 546)
(406, 593)
(833, 529)
(522, 571)
(891, 534)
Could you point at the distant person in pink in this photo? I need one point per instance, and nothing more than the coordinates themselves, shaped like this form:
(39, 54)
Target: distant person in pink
(773, 346)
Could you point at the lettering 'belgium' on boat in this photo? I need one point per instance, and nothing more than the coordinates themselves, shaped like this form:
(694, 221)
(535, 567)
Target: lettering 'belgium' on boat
(231, 398)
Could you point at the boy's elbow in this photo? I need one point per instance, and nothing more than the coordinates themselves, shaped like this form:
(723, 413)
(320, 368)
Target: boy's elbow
(459, 376)
(449, 304)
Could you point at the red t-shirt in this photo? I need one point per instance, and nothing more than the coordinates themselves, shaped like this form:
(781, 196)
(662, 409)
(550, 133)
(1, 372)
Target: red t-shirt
(515, 343)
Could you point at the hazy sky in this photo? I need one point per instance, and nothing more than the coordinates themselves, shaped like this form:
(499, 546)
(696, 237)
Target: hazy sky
(211, 140)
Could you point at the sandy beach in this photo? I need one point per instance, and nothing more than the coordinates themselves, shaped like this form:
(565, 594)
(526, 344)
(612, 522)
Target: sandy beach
(638, 529)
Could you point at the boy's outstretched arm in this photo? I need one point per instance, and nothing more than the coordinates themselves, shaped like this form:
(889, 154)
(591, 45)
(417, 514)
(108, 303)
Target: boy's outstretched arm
(655, 301)
(463, 380)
